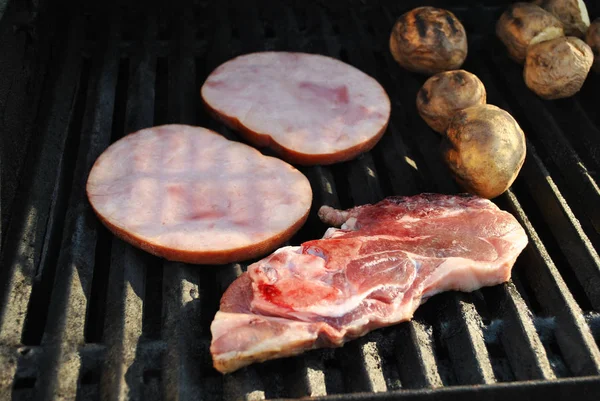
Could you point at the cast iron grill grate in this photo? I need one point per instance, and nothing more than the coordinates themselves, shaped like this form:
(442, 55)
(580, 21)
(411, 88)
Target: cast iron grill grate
(85, 315)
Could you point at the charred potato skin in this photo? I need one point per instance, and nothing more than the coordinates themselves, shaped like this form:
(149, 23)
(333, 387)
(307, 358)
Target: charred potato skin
(523, 23)
(557, 68)
(446, 93)
(570, 13)
(592, 39)
(428, 40)
(484, 148)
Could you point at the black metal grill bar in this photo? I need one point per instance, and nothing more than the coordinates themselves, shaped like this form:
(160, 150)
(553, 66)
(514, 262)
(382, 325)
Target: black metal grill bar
(464, 339)
(311, 377)
(571, 238)
(68, 306)
(575, 388)
(122, 373)
(518, 335)
(416, 356)
(571, 117)
(182, 377)
(573, 335)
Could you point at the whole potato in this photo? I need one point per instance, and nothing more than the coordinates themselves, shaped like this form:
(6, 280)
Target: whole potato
(484, 148)
(445, 93)
(557, 68)
(524, 24)
(572, 13)
(429, 40)
(593, 40)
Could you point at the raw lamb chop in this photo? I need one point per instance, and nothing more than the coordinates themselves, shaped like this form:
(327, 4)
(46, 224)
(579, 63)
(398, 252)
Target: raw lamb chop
(188, 194)
(311, 109)
(375, 271)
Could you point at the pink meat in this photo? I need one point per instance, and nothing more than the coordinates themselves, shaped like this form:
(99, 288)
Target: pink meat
(375, 271)
(188, 194)
(312, 109)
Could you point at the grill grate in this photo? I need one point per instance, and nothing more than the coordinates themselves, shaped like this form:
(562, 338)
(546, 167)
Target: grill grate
(85, 315)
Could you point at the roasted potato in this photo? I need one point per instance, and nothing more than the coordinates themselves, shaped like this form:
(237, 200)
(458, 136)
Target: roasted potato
(593, 40)
(445, 93)
(524, 24)
(572, 13)
(557, 68)
(429, 40)
(484, 147)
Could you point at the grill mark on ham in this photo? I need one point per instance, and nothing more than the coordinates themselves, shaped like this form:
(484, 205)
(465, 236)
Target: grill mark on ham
(374, 271)
(316, 92)
(188, 194)
(311, 109)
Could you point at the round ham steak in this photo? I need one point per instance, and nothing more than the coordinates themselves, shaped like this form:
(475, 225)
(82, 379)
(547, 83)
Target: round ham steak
(188, 194)
(308, 108)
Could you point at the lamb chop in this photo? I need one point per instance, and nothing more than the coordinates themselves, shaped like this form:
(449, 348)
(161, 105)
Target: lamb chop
(374, 271)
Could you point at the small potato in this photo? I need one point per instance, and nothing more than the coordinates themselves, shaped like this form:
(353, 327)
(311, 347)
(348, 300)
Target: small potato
(557, 68)
(445, 93)
(428, 40)
(593, 40)
(485, 149)
(524, 24)
(572, 13)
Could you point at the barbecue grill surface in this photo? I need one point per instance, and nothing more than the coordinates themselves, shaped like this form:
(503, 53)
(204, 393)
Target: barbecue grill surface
(84, 315)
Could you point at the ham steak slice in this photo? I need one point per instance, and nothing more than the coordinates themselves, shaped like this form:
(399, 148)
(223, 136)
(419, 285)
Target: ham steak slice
(188, 194)
(375, 271)
(310, 109)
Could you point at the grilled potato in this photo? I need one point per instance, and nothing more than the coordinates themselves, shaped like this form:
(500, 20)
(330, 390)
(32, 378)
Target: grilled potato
(429, 40)
(572, 13)
(557, 68)
(445, 93)
(484, 147)
(593, 40)
(524, 24)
